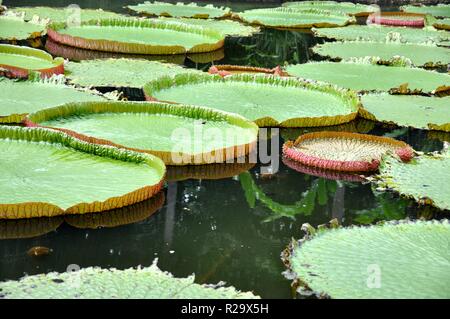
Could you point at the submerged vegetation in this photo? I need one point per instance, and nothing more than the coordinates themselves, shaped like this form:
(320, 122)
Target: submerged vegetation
(100, 128)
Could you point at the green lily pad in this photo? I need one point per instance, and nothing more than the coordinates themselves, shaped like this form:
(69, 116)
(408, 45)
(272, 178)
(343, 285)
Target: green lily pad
(120, 72)
(19, 98)
(73, 177)
(62, 15)
(429, 113)
(420, 54)
(425, 179)
(178, 134)
(149, 36)
(440, 10)
(180, 10)
(362, 75)
(349, 8)
(392, 260)
(293, 18)
(14, 28)
(20, 61)
(98, 283)
(443, 24)
(379, 33)
(298, 103)
(226, 27)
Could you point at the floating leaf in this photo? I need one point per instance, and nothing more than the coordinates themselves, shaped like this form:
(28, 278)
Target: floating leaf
(294, 18)
(226, 27)
(401, 19)
(380, 33)
(365, 76)
(62, 15)
(97, 283)
(355, 9)
(439, 11)
(342, 151)
(72, 177)
(149, 36)
(443, 24)
(299, 103)
(178, 134)
(391, 260)
(119, 72)
(19, 98)
(180, 10)
(13, 28)
(19, 61)
(408, 110)
(425, 179)
(427, 55)
(226, 69)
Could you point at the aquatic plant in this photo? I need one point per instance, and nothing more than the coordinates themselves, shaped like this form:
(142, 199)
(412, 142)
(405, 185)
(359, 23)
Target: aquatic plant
(137, 36)
(425, 179)
(18, 62)
(381, 261)
(443, 24)
(226, 69)
(180, 10)
(120, 72)
(367, 75)
(343, 151)
(178, 134)
(253, 96)
(14, 28)
(424, 55)
(438, 11)
(400, 19)
(354, 9)
(19, 98)
(101, 178)
(283, 17)
(97, 283)
(427, 113)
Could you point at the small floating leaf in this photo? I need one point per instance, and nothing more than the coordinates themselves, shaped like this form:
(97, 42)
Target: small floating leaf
(97, 283)
(393, 260)
(299, 103)
(439, 11)
(349, 8)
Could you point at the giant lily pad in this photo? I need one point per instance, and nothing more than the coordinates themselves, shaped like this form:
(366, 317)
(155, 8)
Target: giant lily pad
(443, 24)
(439, 11)
(14, 28)
(366, 76)
(382, 261)
(180, 10)
(67, 14)
(427, 55)
(148, 36)
(97, 283)
(267, 100)
(380, 33)
(355, 9)
(120, 72)
(19, 98)
(19, 61)
(226, 27)
(178, 134)
(430, 113)
(294, 18)
(401, 19)
(425, 179)
(62, 175)
(342, 151)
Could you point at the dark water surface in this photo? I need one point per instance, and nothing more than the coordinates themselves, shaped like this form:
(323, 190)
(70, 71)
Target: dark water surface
(231, 229)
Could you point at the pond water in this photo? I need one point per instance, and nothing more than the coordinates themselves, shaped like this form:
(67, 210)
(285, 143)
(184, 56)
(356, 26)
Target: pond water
(231, 229)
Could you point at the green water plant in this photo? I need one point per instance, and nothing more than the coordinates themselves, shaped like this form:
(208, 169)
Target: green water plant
(381, 261)
(423, 55)
(365, 74)
(299, 103)
(294, 18)
(424, 179)
(428, 113)
(180, 10)
(178, 134)
(353, 9)
(97, 283)
(438, 11)
(443, 24)
(15, 28)
(99, 177)
(137, 36)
